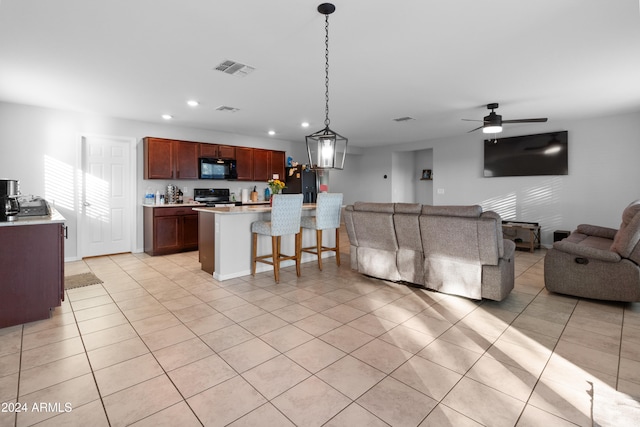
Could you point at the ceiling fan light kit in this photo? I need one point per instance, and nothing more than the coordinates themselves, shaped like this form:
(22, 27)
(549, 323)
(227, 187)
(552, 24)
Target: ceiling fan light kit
(326, 149)
(492, 129)
(493, 122)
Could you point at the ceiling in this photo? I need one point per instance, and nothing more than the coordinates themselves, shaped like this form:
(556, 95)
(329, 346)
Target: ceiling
(434, 61)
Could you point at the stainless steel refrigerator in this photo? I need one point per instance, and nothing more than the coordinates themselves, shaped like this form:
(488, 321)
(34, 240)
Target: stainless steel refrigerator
(301, 181)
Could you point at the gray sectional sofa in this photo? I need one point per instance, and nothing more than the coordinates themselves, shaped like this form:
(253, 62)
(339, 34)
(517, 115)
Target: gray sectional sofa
(451, 249)
(598, 262)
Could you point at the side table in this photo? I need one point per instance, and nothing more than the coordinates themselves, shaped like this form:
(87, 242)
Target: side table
(510, 231)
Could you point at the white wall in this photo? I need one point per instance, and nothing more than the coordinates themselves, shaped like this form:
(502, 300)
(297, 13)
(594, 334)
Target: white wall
(363, 177)
(33, 139)
(603, 175)
(404, 177)
(423, 189)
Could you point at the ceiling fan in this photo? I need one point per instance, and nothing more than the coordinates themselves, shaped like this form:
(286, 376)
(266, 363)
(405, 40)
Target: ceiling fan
(493, 122)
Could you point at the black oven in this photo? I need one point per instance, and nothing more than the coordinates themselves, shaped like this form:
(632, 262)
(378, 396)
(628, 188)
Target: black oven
(217, 168)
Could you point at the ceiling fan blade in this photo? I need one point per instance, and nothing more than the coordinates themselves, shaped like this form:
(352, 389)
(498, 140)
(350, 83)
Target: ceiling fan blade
(540, 120)
(471, 120)
(473, 130)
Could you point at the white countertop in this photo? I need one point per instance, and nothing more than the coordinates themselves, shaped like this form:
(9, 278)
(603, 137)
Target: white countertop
(239, 210)
(203, 205)
(175, 205)
(54, 218)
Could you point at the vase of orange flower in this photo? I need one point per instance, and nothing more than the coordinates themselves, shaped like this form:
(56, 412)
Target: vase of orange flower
(276, 187)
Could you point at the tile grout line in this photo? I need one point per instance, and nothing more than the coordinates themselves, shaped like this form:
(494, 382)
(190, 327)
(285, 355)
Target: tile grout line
(86, 353)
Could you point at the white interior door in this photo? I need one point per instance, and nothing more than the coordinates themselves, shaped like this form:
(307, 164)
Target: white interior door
(106, 203)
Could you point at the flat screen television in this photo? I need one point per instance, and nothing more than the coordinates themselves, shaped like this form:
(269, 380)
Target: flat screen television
(527, 155)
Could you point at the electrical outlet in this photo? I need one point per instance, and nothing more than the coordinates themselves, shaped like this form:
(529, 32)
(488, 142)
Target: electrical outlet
(440, 190)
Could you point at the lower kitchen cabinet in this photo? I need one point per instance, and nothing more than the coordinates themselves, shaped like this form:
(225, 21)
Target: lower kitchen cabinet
(32, 270)
(169, 230)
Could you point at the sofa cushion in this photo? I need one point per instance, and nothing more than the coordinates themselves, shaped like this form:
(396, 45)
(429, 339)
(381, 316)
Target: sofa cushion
(373, 207)
(408, 208)
(628, 235)
(460, 211)
(595, 230)
(375, 230)
(498, 229)
(630, 212)
(407, 231)
(452, 255)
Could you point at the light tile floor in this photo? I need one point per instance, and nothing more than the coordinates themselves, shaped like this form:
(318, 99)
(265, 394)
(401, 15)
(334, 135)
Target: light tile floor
(162, 343)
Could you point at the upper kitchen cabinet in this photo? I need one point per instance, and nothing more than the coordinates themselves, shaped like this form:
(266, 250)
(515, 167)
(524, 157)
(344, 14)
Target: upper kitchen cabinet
(217, 151)
(244, 163)
(277, 164)
(170, 159)
(226, 152)
(158, 158)
(257, 164)
(261, 164)
(186, 158)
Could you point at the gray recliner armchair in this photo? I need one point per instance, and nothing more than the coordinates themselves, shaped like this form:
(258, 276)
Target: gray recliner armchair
(598, 262)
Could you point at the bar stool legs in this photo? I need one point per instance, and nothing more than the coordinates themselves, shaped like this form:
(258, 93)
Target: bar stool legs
(276, 256)
(318, 249)
(286, 212)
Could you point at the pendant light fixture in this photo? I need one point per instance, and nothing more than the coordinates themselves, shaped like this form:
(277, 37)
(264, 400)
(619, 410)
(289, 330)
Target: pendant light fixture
(327, 149)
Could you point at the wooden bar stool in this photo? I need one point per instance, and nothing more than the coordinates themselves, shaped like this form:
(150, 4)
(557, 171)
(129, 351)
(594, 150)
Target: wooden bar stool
(285, 219)
(328, 209)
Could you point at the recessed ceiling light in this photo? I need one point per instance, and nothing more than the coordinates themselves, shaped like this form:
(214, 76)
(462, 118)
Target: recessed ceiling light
(305, 124)
(272, 132)
(167, 116)
(193, 103)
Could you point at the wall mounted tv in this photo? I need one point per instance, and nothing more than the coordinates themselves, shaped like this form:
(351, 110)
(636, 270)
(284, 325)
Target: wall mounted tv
(527, 155)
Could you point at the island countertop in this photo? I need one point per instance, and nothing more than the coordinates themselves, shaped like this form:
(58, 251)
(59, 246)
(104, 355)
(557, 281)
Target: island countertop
(240, 210)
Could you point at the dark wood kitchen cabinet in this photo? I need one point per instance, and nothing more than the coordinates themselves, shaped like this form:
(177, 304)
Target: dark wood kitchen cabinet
(257, 164)
(170, 159)
(170, 230)
(244, 163)
(32, 270)
(261, 164)
(173, 159)
(277, 164)
(186, 160)
(217, 151)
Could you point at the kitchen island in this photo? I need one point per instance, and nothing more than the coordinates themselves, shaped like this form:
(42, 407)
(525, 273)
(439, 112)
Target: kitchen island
(224, 240)
(31, 267)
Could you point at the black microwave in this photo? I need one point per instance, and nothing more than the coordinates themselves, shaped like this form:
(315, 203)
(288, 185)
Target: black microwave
(217, 168)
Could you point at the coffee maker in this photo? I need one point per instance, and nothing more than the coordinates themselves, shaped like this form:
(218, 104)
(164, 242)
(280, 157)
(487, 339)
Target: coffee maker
(9, 206)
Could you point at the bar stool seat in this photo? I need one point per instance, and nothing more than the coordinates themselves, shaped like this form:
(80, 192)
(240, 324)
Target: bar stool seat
(285, 220)
(328, 210)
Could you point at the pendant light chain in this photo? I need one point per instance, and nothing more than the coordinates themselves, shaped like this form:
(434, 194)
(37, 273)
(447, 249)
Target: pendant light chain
(326, 70)
(327, 149)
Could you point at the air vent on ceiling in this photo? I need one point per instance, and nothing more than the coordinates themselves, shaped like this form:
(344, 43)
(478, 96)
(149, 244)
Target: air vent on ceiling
(227, 108)
(403, 119)
(235, 68)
